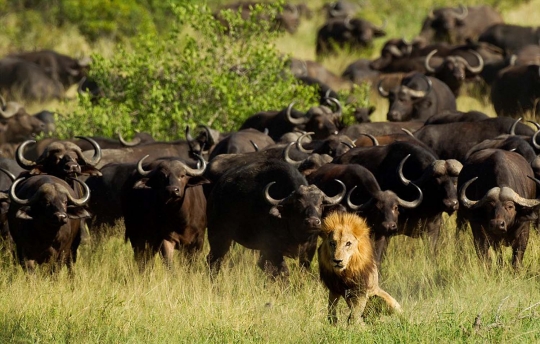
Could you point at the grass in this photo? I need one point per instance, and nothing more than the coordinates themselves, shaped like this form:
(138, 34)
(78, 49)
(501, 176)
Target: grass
(109, 301)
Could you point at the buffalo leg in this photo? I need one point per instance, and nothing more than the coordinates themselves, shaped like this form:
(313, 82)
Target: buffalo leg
(433, 227)
(218, 249)
(481, 244)
(307, 252)
(273, 264)
(381, 244)
(519, 245)
(167, 252)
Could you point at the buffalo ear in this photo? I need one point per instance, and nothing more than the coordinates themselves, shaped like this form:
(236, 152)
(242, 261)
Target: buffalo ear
(274, 211)
(22, 214)
(527, 214)
(91, 170)
(75, 212)
(38, 169)
(199, 180)
(141, 184)
(371, 110)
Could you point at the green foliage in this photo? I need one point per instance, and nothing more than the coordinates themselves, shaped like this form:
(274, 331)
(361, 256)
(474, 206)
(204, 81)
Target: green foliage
(197, 74)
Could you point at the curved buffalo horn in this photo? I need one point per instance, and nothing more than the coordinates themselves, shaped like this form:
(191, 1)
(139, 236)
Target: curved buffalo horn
(522, 201)
(80, 201)
(480, 65)
(416, 202)
(417, 93)
(384, 93)
(533, 139)
(132, 143)
(337, 198)
(463, 197)
(19, 157)
(359, 207)
(140, 168)
(189, 138)
(9, 174)
(426, 61)
(463, 14)
(299, 143)
(395, 51)
(351, 146)
(195, 172)
(404, 180)
(3, 101)
(338, 104)
(372, 138)
(536, 124)
(293, 120)
(408, 132)
(96, 158)
(347, 23)
(254, 145)
(269, 198)
(14, 197)
(288, 159)
(514, 125)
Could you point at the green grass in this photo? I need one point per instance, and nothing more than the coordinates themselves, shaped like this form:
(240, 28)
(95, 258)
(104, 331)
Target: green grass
(109, 301)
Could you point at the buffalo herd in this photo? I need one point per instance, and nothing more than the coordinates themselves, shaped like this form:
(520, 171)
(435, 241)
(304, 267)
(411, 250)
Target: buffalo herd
(269, 185)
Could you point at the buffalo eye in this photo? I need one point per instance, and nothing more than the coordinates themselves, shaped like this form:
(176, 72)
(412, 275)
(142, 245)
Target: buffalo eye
(332, 244)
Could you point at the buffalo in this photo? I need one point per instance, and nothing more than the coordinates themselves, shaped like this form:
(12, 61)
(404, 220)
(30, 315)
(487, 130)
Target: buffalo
(346, 33)
(516, 91)
(280, 212)
(44, 220)
(164, 208)
(498, 198)
(417, 98)
(457, 25)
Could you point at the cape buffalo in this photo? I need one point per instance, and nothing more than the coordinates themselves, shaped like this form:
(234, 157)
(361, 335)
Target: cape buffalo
(417, 98)
(498, 198)
(44, 220)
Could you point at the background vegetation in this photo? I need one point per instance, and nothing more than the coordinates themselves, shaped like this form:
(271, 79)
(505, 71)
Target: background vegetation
(158, 74)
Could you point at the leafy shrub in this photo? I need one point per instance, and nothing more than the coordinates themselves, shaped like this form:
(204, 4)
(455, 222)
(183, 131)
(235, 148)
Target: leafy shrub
(197, 74)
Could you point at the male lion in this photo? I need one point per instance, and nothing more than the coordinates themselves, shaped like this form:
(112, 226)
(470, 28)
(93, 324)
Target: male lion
(347, 266)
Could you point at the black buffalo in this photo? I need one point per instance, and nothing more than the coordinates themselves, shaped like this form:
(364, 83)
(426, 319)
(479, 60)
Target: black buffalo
(516, 91)
(436, 178)
(498, 198)
(454, 140)
(44, 220)
(279, 213)
(510, 38)
(418, 98)
(346, 33)
(164, 208)
(457, 25)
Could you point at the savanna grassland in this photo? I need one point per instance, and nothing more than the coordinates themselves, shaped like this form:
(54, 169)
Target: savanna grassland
(447, 296)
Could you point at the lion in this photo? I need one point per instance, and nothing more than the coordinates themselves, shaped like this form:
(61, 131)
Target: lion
(347, 266)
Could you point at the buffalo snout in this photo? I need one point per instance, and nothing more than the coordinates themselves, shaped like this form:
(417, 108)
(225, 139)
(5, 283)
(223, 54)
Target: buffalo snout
(174, 191)
(451, 205)
(313, 222)
(389, 226)
(497, 225)
(61, 217)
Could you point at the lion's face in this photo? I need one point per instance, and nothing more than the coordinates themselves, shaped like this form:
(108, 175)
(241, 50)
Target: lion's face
(342, 246)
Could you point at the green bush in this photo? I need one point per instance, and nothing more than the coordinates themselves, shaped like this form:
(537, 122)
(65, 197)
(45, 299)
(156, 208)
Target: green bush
(197, 74)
